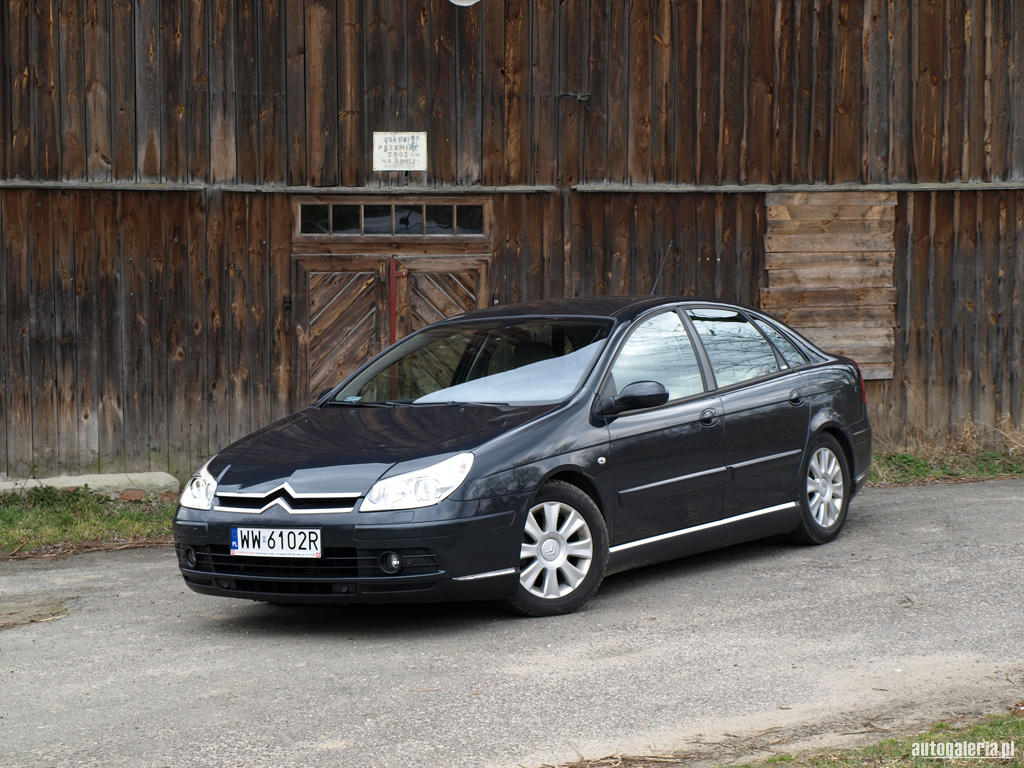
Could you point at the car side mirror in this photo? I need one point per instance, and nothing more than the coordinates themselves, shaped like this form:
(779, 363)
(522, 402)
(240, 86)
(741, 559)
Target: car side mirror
(636, 395)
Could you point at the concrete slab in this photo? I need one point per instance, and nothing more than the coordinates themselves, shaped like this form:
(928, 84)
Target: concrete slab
(114, 484)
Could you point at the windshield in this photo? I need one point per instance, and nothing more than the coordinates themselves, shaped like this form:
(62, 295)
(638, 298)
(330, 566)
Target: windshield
(495, 361)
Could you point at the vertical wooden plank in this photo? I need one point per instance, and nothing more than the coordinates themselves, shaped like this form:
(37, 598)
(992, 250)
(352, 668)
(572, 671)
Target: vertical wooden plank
(45, 109)
(110, 408)
(940, 369)
(133, 229)
(295, 90)
(350, 93)
(516, 83)
(148, 101)
(420, 59)
(597, 115)
(685, 127)
(974, 159)
(66, 332)
(998, 42)
(614, 216)
(847, 161)
(5, 406)
(918, 294)
(953, 76)
(177, 352)
(248, 50)
(173, 97)
(732, 82)
(686, 244)
(218, 342)
(900, 91)
(123, 52)
(875, 45)
(533, 247)
(759, 144)
(239, 329)
(97, 90)
(198, 104)
(961, 293)
(273, 120)
(821, 90)
(1002, 311)
(72, 91)
(42, 308)
(19, 346)
(544, 130)
(554, 257)
(88, 371)
(197, 371)
(708, 98)
(321, 93)
(639, 96)
(986, 361)
(469, 93)
(385, 79)
(279, 279)
(257, 309)
(662, 91)
(664, 234)
(19, 61)
(223, 94)
(1016, 319)
(707, 240)
(160, 315)
(1017, 95)
(619, 77)
(6, 77)
(928, 92)
(493, 92)
(800, 166)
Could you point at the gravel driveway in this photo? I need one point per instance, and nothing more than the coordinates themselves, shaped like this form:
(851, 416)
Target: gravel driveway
(917, 610)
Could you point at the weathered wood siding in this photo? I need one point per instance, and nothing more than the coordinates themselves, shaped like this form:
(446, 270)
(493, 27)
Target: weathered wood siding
(513, 91)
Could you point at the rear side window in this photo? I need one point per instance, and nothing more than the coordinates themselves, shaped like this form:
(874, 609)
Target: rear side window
(659, 349)
(790, 352)
(737, 350)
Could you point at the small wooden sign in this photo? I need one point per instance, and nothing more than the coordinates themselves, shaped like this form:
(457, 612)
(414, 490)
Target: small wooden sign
(399, 151)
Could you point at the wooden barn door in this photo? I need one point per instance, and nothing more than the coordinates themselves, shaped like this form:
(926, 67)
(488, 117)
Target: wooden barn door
(349, 308)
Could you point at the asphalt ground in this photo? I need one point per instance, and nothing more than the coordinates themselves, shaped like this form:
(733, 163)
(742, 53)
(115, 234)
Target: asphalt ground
(915, 612)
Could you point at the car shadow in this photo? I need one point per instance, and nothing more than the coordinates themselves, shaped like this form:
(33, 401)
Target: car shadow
(376, 621)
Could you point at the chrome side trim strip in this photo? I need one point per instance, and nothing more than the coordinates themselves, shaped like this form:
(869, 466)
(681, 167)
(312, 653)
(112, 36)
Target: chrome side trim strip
(765, 458)
(674, 480)
(701, 527)
(487, 575)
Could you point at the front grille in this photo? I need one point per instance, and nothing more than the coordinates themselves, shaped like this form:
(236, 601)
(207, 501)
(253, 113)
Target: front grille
(334, 563)
(292, 502)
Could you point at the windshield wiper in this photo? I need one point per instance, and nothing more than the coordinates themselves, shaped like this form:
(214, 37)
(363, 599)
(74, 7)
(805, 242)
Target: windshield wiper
(364, 403)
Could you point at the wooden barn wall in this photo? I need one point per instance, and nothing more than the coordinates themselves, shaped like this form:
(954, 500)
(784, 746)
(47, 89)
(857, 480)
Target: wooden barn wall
(512, 91)
(959, 319)
(140, 330)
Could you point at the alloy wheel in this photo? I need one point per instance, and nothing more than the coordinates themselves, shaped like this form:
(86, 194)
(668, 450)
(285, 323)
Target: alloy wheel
(556, 552)
(825, 487)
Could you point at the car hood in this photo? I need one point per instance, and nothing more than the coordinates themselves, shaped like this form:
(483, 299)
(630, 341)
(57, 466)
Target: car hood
(345, 449)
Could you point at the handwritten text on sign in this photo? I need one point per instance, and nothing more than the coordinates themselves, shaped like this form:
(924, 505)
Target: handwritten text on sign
(394, 151)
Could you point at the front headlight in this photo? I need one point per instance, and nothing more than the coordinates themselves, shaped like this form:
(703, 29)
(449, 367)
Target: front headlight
(199, 491)
(420, 488)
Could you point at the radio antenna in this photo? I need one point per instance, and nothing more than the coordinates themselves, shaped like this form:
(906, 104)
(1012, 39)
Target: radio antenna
(661, 269)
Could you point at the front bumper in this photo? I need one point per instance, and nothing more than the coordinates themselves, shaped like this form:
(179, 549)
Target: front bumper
(454, 551)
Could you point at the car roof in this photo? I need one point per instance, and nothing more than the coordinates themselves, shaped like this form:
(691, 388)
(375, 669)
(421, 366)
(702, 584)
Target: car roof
(620, 308)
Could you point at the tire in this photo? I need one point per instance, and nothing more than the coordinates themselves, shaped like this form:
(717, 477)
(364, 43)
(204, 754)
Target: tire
(824, 491)
(564, 552)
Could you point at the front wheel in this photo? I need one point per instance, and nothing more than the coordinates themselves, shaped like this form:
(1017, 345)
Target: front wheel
(824, 491)
(563, 554)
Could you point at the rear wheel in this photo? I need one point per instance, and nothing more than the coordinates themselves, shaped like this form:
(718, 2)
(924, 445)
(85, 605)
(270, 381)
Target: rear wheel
(824, 491)
(563, 554)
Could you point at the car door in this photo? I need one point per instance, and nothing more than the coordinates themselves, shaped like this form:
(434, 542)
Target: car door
(667, 462)
(765, 412)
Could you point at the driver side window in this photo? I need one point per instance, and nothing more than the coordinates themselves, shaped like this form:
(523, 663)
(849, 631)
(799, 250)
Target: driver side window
(659, 349)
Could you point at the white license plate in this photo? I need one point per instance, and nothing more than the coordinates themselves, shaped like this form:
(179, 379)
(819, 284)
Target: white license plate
(276, 542)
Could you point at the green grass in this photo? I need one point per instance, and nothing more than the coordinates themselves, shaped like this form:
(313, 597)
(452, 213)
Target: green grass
(904, 468)
(47, 520)
(898, 752)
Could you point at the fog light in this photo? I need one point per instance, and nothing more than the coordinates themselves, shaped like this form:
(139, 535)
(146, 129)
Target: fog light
(190, 557)
(390, 563)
